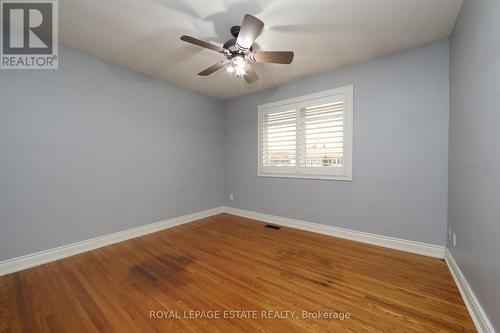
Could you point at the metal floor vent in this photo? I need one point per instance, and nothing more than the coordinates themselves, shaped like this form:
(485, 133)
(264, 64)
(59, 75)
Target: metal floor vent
(270, 226)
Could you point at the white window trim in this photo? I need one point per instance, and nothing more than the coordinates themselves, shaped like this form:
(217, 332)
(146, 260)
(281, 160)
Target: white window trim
(282, 172)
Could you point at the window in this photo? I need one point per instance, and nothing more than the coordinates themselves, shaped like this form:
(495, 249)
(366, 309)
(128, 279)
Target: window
(308, 136)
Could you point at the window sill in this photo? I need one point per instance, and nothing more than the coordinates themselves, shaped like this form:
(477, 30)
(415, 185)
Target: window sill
(306, 176)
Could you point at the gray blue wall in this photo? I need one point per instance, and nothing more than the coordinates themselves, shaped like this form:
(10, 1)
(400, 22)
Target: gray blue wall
(474, 167)
(400, 171)
(94, 148)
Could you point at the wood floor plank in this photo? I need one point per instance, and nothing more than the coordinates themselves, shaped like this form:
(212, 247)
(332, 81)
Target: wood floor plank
(228, 263)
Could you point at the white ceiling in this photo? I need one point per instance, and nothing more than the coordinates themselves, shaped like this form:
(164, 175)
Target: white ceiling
(324, 34)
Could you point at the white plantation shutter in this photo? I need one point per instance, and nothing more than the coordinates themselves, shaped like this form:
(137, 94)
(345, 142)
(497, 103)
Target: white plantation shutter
(322, 135)
(307, 137)
(279, 136)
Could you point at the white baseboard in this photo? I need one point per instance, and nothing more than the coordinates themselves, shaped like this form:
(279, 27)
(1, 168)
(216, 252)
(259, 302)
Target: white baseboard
(35, 259)
(479, 317)
(425, 249)
(31, 260)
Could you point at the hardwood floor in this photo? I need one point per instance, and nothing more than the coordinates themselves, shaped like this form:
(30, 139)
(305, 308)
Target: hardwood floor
(227, 263)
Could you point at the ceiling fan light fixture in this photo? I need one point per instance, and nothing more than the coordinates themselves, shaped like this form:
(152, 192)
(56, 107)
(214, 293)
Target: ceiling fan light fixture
(237, 66)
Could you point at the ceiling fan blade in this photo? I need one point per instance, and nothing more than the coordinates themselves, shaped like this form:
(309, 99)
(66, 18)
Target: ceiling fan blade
(214, 68)
(275, 57)
(201, 43)
(250, 74)
(249, 31)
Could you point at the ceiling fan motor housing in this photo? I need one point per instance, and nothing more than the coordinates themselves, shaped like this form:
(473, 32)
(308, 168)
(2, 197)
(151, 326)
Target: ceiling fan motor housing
(235, 31)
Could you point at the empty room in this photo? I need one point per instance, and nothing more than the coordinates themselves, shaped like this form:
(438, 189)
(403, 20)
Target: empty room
(250, 166)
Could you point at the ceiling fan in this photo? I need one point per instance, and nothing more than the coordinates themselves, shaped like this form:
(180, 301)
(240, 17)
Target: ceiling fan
(239, 52)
